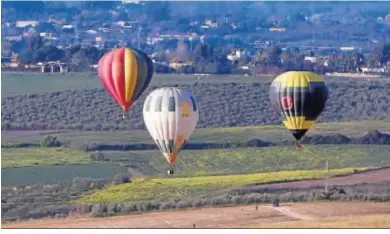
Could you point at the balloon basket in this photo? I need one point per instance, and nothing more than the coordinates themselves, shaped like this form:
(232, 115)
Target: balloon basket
(170, 172)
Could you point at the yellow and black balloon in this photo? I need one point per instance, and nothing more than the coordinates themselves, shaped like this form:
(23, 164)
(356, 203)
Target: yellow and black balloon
(300, 97)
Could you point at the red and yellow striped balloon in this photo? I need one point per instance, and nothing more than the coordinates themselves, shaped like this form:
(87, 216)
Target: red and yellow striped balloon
(125, 73)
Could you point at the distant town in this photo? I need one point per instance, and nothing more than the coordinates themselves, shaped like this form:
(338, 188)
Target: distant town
(208, 37)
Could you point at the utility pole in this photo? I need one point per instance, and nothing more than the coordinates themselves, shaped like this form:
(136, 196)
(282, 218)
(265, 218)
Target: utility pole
(326, 175)
(139, 37)
(191, 44)
(76, 36)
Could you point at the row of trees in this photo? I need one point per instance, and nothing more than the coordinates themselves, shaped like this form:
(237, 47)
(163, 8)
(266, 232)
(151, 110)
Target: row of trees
(292, 59)
(207, 59)
(202, 57)
(222, 104)
(39, 201)
(32, 50)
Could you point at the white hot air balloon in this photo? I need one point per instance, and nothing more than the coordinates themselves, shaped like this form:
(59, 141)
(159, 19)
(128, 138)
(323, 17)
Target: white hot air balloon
(170, 115)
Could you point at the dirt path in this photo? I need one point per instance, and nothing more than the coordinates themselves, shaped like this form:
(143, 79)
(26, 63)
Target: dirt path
(286, 211)
(229, 217)
(374, 176)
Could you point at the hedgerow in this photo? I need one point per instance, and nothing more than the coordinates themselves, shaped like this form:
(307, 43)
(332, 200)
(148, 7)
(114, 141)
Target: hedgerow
(358, 192)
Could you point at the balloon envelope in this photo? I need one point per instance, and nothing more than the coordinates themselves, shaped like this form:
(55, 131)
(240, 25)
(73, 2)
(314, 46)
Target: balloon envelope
(300, 97)
(125, 73)
(170, 115)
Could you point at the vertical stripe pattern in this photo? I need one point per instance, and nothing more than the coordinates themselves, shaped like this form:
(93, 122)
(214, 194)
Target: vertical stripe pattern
(169, 121)
(125, 74)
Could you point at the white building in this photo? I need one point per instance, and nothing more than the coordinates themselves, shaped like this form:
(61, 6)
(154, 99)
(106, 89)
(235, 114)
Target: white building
(311, 59)
(373, 70)
(236, 55)
(25, 23)
(347, 48)
(67, 26)
(130, 1)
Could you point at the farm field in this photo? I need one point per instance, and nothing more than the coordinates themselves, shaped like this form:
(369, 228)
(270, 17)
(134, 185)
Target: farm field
(23, 157)
(297, 215)
(39, 181)
(58, 173)
(222, 104)
(40, 83)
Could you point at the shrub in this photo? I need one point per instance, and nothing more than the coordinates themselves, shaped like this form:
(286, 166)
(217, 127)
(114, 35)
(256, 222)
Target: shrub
(196, 203)
(236, 200)
(183, 204)
(97, 156)
(60, 215)
(98, 209)
(129, 207)
(111, 208)
(85, 208)
(167, 205)
(81, 184)
(50, 141)
(120, 179)
(15, 213)
(146, 206)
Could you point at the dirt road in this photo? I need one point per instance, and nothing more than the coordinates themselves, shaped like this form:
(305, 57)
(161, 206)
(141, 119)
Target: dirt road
(374, 176)
(295, 214)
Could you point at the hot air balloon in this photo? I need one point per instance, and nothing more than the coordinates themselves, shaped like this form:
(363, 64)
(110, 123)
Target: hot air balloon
(125, 73)
(300, 97)
(170, 115)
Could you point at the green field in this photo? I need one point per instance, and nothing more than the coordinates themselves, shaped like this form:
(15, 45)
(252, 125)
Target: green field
(148, 189)
(193, 162)
(58, 173)
(38, 83)
(273, 133)
(23, 157)
(252, 160)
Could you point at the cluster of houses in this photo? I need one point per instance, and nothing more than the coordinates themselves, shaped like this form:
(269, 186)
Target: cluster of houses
(63, 34)
(11, 64)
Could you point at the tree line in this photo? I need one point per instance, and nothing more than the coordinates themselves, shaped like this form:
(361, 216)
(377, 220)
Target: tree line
(32, 50)
(38, 201)
(205, 58)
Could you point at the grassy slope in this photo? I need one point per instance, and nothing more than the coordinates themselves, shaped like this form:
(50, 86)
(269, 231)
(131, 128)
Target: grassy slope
(22, 157)
(212, 162)
(252, 160)
(148, 189)
(232, 134)
(39, 83)
(29, 83)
